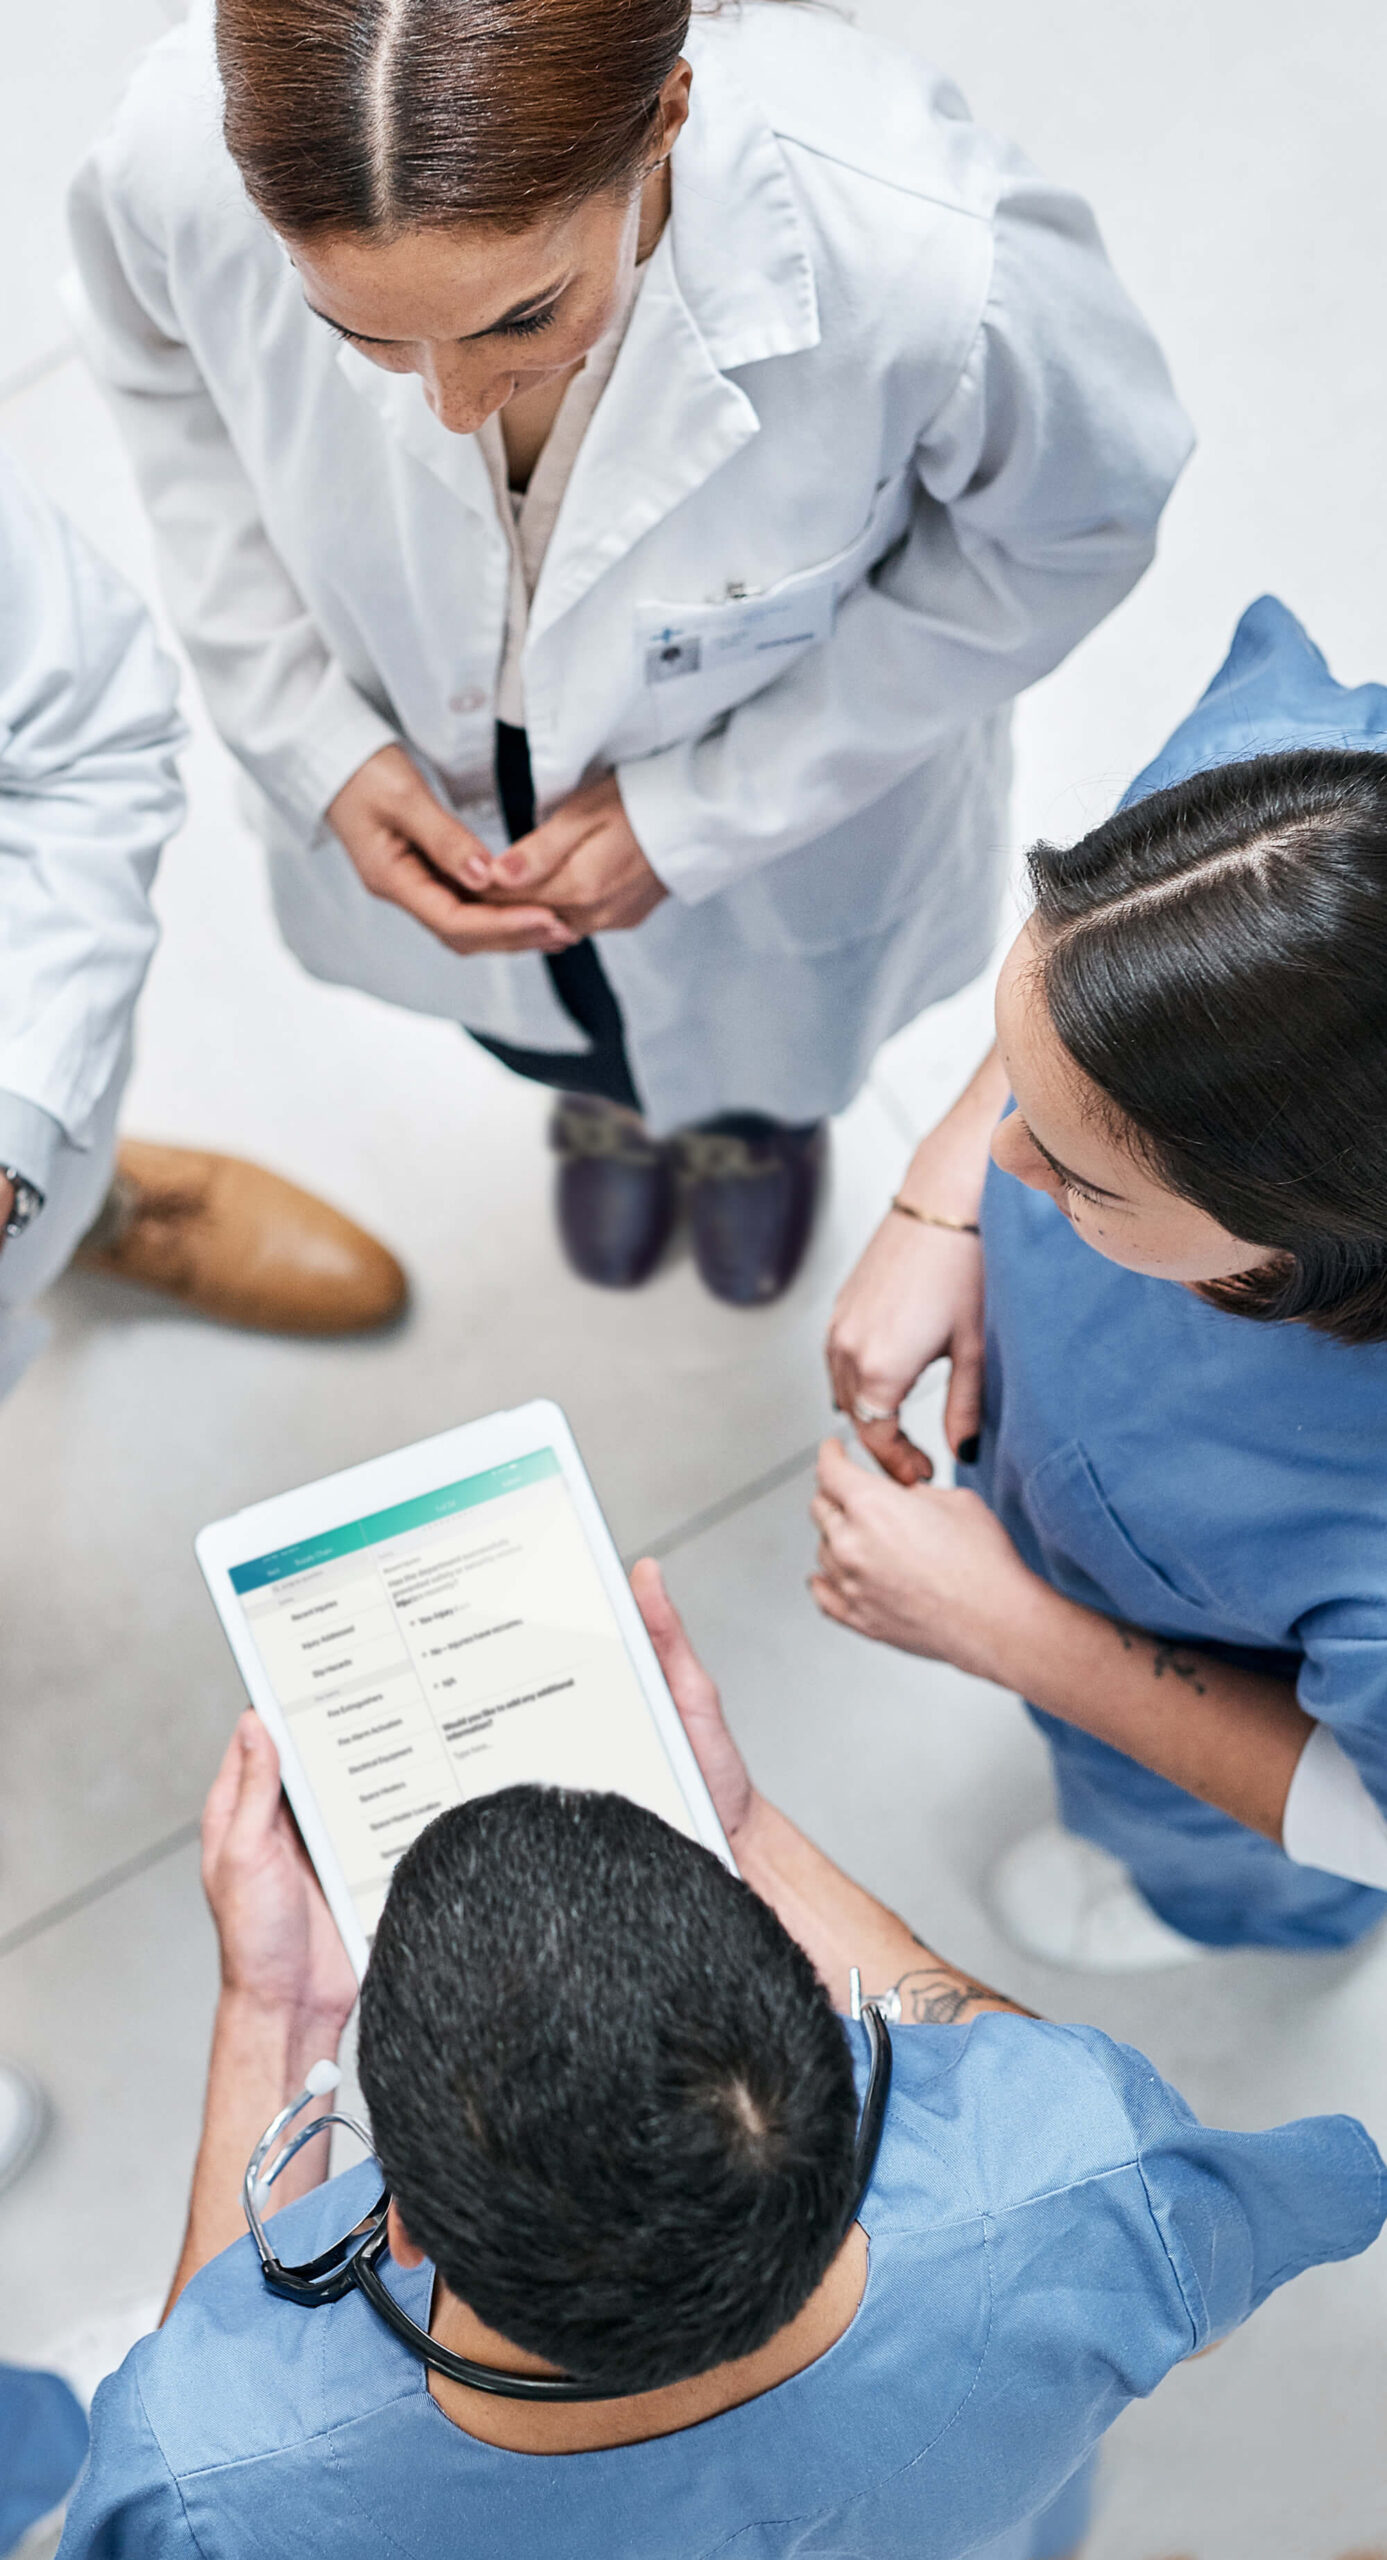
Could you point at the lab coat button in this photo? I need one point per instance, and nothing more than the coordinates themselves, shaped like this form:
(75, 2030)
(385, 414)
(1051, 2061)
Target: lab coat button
(471, 698)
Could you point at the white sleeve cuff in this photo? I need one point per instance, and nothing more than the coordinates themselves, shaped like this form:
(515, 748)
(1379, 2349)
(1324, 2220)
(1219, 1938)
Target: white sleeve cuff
(30, 1139)
(1331, 1821)
(658, 801)
(304, 771)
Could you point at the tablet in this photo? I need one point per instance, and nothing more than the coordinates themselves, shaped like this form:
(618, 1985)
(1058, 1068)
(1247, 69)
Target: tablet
(436, 1624)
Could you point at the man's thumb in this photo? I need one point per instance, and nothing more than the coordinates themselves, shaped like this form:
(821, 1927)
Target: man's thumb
(663, 1624)
(655, 1605)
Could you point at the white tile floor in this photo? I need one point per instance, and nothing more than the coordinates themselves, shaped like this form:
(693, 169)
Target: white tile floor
(1233, 149)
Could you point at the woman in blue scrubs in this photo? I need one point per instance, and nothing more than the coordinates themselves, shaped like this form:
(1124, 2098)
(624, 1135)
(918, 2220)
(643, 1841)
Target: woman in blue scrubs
(1170, 1532)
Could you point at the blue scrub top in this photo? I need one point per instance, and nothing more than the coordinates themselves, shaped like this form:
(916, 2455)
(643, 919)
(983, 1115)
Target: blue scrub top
(1050, 2230)
(1198, 1474)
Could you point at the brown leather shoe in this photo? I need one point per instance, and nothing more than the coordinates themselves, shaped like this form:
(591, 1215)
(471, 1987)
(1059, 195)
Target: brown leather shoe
(239, 1244)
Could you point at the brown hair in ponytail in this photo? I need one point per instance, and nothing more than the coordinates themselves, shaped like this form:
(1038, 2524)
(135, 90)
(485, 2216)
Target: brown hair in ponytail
(385, 116)
(1215, 959)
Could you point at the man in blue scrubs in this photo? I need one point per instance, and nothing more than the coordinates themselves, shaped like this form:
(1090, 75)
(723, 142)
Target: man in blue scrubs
(613, 2103)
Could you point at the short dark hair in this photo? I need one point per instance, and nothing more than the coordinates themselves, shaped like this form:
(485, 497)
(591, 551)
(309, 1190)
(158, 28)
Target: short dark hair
(1215, 959)
(608, 2091)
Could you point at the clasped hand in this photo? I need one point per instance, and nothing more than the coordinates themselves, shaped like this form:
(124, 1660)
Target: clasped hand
(581, 872)
(926, 1568)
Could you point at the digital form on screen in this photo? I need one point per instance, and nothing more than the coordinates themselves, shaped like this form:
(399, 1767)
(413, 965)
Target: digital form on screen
(442, 1648)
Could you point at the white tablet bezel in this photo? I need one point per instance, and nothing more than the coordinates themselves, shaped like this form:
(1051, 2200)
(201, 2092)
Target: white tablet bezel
(335, 1500)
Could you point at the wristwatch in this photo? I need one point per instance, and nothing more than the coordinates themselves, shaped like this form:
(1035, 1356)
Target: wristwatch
(28, 1200)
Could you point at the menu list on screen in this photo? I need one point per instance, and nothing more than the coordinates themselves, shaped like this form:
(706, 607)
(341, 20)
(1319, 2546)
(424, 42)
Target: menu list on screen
(444, 1647)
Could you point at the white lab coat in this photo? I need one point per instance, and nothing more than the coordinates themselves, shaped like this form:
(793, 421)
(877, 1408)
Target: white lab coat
(89, 792)
(885, 438)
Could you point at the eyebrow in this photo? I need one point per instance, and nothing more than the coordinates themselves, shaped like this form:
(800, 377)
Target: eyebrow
(1079, 1181)
(527, 310)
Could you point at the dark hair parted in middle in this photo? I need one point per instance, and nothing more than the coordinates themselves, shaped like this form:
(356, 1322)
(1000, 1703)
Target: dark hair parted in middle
(387, 116)
(608, 2091)
(1215, 959)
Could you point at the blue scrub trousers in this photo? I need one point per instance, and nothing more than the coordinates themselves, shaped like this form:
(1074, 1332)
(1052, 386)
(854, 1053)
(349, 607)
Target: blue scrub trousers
(1203, 1873)
(43, 2445)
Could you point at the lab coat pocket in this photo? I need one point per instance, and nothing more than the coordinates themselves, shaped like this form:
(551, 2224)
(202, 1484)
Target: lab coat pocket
(695, 661)
(1091, 1555)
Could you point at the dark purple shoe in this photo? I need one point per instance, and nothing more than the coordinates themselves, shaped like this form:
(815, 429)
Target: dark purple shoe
(616, 1195)
(750, 1188)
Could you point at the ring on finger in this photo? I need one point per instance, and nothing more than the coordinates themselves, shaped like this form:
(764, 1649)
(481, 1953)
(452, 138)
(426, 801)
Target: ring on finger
(864, 1412)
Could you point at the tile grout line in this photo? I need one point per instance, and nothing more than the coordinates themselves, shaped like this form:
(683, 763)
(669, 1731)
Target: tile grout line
(86, 1894)
(710, 1518)
(31, 375)
(727, 1508)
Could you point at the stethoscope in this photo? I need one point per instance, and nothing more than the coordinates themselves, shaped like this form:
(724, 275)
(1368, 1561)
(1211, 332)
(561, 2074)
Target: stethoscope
(353, 2264)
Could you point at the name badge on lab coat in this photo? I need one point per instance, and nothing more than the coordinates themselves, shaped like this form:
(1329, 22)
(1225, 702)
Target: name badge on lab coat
(694, 640)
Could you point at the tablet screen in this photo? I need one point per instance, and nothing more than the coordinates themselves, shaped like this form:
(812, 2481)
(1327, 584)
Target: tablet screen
(442, 1648)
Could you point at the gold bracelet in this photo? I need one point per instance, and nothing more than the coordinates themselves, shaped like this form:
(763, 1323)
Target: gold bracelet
(923, 1217)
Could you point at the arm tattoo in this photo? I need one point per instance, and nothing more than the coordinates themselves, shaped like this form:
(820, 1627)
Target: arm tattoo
(1167, 1654)
(1172, 1657)
(936, 1995)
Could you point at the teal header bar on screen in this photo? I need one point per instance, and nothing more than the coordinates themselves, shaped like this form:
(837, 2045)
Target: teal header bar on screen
(397, 1522)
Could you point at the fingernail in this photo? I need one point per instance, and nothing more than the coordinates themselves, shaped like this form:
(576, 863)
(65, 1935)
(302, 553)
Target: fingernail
(512, 866)
(970, 1449)
(475, 872)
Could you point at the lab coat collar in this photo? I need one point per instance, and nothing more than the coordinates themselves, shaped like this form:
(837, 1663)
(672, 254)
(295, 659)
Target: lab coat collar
(730, 284)
(666, 422)
(740, 250)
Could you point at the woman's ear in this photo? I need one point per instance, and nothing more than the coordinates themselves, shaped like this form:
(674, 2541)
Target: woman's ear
(674, 106)
(402, 2248)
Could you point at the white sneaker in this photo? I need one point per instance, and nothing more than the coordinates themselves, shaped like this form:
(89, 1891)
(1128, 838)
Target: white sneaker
(23, 2116)
(1062, 1899)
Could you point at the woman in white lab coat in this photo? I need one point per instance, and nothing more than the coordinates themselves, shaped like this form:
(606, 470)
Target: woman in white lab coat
(689, 434)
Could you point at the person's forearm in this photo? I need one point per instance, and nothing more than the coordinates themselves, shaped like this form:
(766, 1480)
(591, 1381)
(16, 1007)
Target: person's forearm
(259, 2061)
(1231, 1737)
(839, 1925)
(949, 1167)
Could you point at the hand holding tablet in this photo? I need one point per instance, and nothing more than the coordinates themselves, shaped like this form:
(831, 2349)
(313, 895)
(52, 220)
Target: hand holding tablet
(434, 1625)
